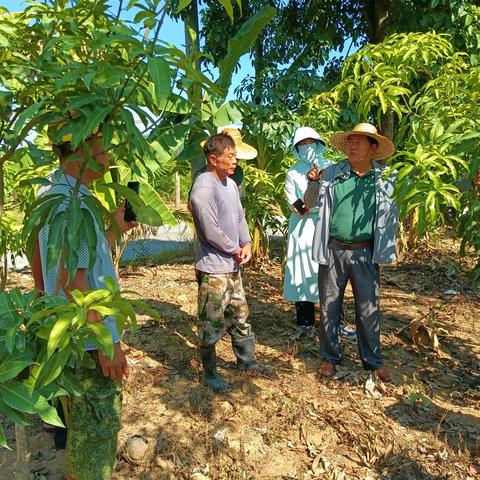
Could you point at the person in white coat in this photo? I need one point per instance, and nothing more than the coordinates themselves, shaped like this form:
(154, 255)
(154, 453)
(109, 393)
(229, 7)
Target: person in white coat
(301, 272)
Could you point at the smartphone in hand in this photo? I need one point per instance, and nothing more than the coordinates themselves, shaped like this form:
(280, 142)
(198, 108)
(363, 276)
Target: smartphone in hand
(130, 215)
(300, 206)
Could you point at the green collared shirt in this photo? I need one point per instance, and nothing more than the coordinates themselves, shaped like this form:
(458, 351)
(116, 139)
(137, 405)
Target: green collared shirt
(321, 195)
(353, 215)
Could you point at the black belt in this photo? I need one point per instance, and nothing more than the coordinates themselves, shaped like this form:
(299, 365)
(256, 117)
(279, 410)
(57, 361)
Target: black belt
(350, 245)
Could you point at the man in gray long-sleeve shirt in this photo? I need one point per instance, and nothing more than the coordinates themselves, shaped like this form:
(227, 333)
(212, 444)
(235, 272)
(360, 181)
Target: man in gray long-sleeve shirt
(223, 245)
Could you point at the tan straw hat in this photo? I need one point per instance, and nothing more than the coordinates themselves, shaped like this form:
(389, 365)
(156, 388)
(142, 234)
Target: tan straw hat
(244, 151)
(385, 149)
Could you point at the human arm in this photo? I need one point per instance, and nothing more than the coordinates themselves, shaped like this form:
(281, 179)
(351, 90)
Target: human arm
(313, 189)
(36, 265)
(292, 196)
(122, 225)
(244, 255)
(113, 369)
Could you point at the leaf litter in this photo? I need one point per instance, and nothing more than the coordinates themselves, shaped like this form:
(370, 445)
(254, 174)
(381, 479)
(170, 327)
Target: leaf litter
(425, 425)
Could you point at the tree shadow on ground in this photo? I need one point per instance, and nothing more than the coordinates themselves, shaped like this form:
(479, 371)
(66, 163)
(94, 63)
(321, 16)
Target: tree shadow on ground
(457, 430)
(167, 356)
(402, 467)
(186, 401)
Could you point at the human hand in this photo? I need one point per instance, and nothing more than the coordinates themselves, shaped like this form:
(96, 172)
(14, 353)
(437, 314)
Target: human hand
(93, 316)
(114, 369)
(314, 174)
(244, 255)
(119, 214)
(301, 214)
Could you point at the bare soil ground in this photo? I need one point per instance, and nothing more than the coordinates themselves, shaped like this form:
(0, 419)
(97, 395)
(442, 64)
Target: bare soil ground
(425, 425)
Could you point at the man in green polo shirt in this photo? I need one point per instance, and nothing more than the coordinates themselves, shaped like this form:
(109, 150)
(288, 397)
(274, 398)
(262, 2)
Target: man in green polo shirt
(355, 232)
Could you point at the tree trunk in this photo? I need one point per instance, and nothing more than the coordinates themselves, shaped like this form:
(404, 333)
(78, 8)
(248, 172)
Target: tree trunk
(387, 125)
(3, 268)
(22, 467)
(258, 65)
(194, 96)
(177, 190)
(376, 16)
(191, 21)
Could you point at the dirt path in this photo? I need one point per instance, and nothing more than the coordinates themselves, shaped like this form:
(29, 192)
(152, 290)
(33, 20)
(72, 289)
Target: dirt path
(426, 425)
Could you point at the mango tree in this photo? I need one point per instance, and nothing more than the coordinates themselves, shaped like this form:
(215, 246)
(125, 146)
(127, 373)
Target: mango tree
(79, 61)
(432, 91)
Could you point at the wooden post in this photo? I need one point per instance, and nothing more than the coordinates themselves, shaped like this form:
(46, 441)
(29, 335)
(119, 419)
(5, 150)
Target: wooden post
(177, 190)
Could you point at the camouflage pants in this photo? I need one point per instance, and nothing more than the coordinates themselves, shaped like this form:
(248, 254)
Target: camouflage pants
(94, 422)
(221, 307)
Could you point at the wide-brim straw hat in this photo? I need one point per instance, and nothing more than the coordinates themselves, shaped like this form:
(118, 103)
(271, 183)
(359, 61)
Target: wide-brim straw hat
(244, 150)
(385, 149)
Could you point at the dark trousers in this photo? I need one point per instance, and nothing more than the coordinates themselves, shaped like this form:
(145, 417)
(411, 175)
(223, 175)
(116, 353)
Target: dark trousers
(358, 267)
(305, 314)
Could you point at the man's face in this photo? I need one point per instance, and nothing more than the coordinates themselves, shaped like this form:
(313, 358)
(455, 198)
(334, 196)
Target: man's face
(101, 157)
(224, 165)
(360, 149)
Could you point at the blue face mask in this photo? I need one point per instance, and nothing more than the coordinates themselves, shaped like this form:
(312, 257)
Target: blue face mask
(311, 152)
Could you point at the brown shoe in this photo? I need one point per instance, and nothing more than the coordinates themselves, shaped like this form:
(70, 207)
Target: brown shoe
(383, 374)
(326, 370)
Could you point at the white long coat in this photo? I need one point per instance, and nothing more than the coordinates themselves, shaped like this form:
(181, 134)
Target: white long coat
(300, 280)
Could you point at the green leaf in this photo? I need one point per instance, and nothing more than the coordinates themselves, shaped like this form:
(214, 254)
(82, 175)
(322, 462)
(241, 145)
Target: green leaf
(93, 120)
(26, 115)
(39, 210)
(19, 396)
(105, 311)
(109, 76)
(97, 295)
(55, 240)
(12, 414)
(154, 212)
(127, 193)
(160, 74)
(227, 5)
(70, 382)
(11, 336)
(78, 298)
(3, 439)
(47, 413)
(90, 234)
(58, 330)
(241, 44)
(228, 113)
(183, 4)
(50, 369)
(103, 338)
(15, 364)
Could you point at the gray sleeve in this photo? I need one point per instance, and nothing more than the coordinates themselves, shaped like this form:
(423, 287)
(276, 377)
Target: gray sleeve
(206, 213)
(311, 194)
(243, 234)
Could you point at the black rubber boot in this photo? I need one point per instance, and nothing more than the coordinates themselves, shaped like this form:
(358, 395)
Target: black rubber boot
(210, 376)
(305, 314)
(244, 350)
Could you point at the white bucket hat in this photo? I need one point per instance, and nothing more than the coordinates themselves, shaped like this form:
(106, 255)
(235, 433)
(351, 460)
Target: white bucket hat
(301, 133)
(385, 149)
